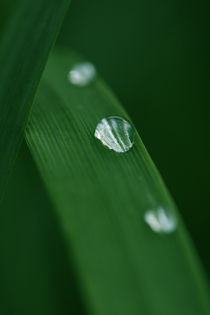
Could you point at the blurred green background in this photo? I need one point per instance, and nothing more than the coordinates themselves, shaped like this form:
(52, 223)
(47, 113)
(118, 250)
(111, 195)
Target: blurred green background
(155, 57)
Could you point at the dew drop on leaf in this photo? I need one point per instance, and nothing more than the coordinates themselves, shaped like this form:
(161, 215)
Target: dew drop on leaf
(161, 220)
(82, 74)
(116, 133)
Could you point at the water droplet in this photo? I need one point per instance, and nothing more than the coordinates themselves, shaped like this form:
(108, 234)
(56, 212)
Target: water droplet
(82, 74)
(116, 133)
(161, 220)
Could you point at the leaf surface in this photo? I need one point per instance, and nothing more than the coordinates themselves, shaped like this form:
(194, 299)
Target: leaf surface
(101, 198)
(24, 49)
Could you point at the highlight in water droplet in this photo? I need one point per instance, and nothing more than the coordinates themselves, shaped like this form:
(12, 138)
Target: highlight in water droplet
(161, 220)
(116, 133)
(82, 74)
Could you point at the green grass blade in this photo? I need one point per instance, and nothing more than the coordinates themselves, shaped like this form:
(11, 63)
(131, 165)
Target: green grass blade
(24, 49)
(101, 197)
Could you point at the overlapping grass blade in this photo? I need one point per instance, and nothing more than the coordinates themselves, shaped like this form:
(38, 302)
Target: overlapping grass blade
(101, 197)
(24, 49)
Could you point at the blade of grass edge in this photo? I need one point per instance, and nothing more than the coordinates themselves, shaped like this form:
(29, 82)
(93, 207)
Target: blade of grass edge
(25, 45)
(100, 198)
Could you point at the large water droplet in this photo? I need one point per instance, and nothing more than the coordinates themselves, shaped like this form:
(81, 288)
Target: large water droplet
(116, 133)
(161, 220)
(82, 74)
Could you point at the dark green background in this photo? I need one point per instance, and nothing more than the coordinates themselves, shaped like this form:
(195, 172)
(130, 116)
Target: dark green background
(155, 57)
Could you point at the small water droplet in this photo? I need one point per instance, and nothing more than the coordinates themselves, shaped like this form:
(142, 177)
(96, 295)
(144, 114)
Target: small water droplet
(116, 133)
(161, 220)
(81, 74)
